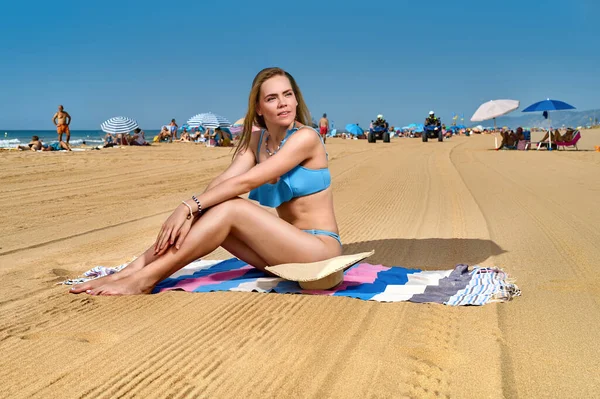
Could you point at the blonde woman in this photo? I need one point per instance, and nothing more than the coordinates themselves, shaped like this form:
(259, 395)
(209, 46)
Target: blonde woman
(284, 165)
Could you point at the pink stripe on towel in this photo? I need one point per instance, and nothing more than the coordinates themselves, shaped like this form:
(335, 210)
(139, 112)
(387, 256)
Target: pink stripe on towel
(361, 274)
(364, 273)
(191, 284)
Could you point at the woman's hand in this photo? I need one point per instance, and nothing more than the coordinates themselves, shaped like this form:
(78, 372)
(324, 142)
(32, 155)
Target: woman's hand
(173, 230)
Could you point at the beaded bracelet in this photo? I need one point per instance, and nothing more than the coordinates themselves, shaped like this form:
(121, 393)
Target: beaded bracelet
(197, 203)
(190, 208)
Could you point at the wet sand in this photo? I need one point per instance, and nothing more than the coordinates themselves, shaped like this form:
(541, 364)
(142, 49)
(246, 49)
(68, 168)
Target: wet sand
(421, 205)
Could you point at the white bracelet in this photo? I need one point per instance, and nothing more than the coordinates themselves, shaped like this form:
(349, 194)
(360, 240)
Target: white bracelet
(189, 207)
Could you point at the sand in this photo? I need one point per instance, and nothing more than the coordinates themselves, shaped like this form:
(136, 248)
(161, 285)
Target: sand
(426, 205)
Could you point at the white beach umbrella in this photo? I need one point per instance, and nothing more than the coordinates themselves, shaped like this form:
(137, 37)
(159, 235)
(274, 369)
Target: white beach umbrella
(119, 125)
(208, 120)
(493, 109)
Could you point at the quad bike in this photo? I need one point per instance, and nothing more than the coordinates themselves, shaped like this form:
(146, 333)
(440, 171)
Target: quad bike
(378, 132)
(431, 132)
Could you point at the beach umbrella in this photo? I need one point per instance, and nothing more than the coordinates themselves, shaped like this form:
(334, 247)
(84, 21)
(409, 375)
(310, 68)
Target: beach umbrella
(239, 122)
(208, 120)
(493, 109)
(545, 106)
(548, 105)
(119, 125)
(236, 129)
(354, 129)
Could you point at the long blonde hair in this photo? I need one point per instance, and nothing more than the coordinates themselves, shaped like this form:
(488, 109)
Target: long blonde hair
(252, 118)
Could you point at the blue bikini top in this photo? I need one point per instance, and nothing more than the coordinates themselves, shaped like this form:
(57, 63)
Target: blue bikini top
(298, 182)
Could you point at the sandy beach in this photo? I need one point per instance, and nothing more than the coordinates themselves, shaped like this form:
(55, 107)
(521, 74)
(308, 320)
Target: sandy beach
(418, 205)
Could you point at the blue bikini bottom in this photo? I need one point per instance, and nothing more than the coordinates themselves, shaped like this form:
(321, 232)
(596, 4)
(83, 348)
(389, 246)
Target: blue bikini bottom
(315, 232)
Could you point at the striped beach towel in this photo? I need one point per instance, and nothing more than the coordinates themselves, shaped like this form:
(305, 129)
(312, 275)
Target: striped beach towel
(456, 287)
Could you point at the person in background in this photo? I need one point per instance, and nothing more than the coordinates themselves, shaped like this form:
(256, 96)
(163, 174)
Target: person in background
(557, 137)
(62, 120)
(185, 137)
(173, 130)
(324, 127)
(34, 145)
(122, 139)
(163, 135)
(61, 145)
(509, 140)
(139, 137)
(432, 120)
(109, 140)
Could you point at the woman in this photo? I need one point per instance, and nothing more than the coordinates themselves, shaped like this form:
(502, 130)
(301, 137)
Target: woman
(139, 137)
(185, 137)
(173, 130)
(283, 166)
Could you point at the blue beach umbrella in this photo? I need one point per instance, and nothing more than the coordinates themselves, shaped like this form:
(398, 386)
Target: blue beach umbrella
(354, 129)
(119, 125)
(545, 106)
(548, 105)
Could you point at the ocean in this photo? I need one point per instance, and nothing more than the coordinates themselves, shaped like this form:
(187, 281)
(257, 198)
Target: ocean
(15, 138)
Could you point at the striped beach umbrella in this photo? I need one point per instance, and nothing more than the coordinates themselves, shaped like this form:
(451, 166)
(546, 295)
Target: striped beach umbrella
(119, 125)
(208, 120)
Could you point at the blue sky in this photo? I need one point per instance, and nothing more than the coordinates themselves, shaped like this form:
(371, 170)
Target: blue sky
(157, 60)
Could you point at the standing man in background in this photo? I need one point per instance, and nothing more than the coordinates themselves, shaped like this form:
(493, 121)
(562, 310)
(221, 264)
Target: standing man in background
(62, 120)
(323, 127)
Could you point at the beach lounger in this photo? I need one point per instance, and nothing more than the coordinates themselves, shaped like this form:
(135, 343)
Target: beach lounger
(557, 144)
(572, 143)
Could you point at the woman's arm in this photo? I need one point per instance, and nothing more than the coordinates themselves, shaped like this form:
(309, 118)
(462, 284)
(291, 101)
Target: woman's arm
(177, 226)
(297, 149)
(243, 162)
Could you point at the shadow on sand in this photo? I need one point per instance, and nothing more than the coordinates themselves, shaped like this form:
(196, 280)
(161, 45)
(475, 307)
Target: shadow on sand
(426, 253)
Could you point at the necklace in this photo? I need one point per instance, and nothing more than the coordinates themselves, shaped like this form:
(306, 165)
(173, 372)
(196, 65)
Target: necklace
(269, 153)
(289, 132)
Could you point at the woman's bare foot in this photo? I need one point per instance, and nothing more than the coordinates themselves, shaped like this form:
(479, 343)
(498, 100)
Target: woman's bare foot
(93, 284)
(130, 285)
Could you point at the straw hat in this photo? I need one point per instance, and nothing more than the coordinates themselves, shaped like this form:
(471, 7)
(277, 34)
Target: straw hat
(321, 275)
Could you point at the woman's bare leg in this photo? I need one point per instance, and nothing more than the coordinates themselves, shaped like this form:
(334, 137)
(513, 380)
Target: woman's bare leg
(236, 247)
(144, 259)
(257, 234)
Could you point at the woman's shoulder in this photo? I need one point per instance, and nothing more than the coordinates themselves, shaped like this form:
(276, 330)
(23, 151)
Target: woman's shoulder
(306, 130)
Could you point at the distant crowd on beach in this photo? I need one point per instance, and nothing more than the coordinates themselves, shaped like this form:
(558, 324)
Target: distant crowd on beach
(169, 133)
(223, 137)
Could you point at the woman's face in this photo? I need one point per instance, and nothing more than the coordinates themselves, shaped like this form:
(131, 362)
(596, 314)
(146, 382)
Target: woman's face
(277, 101)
